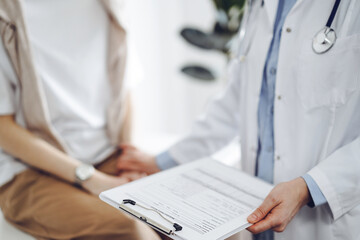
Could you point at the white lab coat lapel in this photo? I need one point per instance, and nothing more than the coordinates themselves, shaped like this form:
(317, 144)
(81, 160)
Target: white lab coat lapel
(271, 9)
(251, 75)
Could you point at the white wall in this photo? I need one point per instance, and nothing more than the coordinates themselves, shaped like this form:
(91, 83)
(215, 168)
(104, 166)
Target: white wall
(166, 102)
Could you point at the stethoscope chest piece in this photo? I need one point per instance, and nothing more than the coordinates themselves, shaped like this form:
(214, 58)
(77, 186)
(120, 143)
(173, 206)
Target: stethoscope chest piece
(324, 40)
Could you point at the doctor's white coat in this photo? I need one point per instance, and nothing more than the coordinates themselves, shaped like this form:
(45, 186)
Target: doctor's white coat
(316, 112)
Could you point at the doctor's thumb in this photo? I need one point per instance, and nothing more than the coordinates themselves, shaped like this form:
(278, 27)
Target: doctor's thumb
(261, 212)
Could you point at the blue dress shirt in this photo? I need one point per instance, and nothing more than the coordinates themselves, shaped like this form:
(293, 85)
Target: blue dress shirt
(265, 157)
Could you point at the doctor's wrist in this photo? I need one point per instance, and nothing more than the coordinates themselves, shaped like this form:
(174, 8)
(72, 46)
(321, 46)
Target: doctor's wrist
(152, 166)
(303, 191)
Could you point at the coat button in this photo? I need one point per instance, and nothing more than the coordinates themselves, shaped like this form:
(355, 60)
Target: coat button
(288, 30)
(279, 97)
(278, 157)
(272, 71)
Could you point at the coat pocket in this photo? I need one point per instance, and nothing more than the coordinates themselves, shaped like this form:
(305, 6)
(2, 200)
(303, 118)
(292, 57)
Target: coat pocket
(329, 79)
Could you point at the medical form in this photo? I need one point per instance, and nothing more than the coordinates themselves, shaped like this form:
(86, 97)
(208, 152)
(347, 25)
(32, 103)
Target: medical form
(205, 199)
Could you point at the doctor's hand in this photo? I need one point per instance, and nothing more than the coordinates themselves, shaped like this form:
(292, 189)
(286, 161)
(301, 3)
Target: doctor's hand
(133, 159)
(280, 206)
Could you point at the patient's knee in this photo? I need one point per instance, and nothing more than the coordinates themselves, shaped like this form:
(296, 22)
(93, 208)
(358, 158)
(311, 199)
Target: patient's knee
(139, 230)
(123, 227)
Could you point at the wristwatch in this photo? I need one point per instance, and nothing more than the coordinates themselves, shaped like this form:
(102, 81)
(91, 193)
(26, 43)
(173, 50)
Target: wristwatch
(83, 172)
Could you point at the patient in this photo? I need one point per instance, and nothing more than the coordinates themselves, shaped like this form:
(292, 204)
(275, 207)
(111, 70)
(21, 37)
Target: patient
(63, 109)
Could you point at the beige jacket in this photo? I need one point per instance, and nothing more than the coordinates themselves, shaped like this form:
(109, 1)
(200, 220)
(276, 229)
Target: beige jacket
(34, 106)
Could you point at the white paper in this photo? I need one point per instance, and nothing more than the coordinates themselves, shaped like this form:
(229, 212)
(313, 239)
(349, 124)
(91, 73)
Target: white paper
(208, 199)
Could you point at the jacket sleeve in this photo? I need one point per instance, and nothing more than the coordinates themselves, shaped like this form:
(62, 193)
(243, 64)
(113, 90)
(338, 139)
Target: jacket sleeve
(338, 177)
(217, 127)
(8, 84)
(7, 96)
(165, 161)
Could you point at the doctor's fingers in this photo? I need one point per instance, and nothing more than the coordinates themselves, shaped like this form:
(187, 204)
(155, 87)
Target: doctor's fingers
(270, 202)
(276, 220)
(270, 222)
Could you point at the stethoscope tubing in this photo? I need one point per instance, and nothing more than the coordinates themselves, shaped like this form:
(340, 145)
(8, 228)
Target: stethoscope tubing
(333, 13)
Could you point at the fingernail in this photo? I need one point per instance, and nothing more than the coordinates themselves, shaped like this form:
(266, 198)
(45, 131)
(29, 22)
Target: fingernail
(252, 218)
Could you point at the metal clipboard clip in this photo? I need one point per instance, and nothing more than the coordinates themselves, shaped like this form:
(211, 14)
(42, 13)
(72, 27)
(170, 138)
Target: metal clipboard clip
(176, 227)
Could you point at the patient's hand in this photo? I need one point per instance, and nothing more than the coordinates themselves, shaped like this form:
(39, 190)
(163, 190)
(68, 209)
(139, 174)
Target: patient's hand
(133, 159)
(100, 181)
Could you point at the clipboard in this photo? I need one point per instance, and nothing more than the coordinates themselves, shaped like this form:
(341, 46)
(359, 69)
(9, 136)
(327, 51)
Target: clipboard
(154, 224)
(173, 203)
(156, 220)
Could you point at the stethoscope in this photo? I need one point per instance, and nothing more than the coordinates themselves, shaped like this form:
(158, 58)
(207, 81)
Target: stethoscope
(322, 41)
(325, 39)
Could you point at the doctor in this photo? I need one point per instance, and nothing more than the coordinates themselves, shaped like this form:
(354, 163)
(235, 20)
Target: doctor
(294, 99)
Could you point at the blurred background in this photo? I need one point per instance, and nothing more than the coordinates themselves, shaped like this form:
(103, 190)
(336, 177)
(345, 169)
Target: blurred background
(166, 100)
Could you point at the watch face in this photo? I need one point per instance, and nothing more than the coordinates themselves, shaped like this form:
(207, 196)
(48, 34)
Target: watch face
(84, 172)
